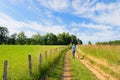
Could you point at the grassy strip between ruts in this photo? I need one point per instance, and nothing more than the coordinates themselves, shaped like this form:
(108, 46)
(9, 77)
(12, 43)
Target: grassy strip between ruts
(56, 71)
(79, 71)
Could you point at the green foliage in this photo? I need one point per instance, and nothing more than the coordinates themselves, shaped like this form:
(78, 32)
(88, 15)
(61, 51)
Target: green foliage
(12, 39)
(51, 39)
(80, 41)
(37, 39)
(74, 39)
(89, 43)
(115, 42)
(3, 35)
(64, 38)
(21, 38)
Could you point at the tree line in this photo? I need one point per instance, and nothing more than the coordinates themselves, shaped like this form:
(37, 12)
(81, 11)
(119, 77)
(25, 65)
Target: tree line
(115, 42)
(37, 39)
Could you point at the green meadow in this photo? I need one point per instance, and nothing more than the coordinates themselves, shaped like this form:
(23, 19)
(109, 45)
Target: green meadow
(17, 57)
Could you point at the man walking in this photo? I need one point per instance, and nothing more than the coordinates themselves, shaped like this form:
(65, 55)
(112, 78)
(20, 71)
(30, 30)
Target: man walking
(73, 50)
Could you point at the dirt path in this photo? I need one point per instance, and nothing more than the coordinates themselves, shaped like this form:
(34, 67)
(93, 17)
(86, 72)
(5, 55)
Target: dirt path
(100, 74)
(103, 62)
(66, 68)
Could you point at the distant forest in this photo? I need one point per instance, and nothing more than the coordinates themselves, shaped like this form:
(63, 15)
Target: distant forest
(115, 42)
(37, 39)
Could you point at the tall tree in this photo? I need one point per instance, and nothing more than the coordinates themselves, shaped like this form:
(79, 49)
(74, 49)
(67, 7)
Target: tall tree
(89, 43)
(60, 39)
(12, 39)
(67, 39)
(51, 39)
(3, 35)
(79, 41)
(37, 38)
(64, 38)
(74, 39)
(21, 38)
(48, 39)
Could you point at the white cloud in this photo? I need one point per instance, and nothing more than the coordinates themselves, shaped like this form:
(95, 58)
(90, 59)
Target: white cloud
(56, 5)
(10, 23)
(112, 19)
(48, 27)
(105, 13)
(99, 12)
(91, 26)
(97, 36)
(16, 26)
(103, 17)
(94, 32)
(82, 7)
(108, 13)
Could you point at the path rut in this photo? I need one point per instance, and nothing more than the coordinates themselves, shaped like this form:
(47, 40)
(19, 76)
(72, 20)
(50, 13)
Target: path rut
(66, 68)
(101, 75)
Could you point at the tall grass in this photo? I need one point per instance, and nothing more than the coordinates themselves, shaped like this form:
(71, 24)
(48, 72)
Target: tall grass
(79, 71)
(17, 57)
(110, 53)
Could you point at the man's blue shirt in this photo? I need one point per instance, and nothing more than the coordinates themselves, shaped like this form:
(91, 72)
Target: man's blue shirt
(73, 48)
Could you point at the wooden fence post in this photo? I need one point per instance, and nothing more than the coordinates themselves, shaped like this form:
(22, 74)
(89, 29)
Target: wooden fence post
(30, 65)
(50, 52)
(5, 70)
(55, 50)
(46, 54)
(40, 62)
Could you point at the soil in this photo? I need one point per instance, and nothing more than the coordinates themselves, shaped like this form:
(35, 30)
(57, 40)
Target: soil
(66, 68)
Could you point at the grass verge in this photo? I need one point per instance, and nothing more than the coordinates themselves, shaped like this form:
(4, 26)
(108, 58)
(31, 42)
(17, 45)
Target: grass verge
(56, 71)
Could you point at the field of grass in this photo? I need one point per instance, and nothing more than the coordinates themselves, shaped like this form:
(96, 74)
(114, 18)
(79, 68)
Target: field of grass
(79, 71)
(17, 56)
(108, 54)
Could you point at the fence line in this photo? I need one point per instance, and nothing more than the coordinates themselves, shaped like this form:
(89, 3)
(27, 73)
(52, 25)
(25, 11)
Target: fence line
(40, 62)
(30, 62)
(30, 65)
(5, 70)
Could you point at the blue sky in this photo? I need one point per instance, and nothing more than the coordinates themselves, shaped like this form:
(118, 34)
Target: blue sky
(89, 20)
